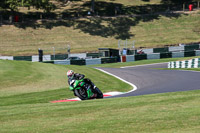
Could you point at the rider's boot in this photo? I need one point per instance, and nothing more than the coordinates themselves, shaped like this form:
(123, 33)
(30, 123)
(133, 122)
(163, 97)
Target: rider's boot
(89, 81)
(94, 87)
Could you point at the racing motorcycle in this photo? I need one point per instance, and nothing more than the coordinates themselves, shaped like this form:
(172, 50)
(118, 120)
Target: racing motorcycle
(84, 90)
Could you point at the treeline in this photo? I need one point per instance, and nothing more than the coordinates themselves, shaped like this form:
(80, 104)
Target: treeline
(13, 5)
(48, 6)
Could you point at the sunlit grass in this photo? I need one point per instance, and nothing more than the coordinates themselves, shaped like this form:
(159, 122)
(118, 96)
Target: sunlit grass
(87, 35)
(170, 112)
(19, 77)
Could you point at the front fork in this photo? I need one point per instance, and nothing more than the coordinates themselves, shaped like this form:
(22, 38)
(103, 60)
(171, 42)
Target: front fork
(89, 91)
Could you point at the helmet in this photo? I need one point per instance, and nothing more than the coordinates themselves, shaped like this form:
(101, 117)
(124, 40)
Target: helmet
(70, 74)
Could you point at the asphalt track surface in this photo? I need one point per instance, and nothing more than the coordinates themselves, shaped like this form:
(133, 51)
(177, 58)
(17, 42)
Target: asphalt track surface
(149, 80)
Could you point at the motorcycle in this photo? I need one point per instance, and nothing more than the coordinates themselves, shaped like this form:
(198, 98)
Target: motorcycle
(84, 90)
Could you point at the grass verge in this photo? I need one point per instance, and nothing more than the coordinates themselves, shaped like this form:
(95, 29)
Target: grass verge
(21, 77)
(161, 113)
(31, 111)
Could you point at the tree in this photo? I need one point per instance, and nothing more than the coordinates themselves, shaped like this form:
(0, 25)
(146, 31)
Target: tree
(198, 3)
(173, 2)
(13, 5)
(178, 2)
(92, 6)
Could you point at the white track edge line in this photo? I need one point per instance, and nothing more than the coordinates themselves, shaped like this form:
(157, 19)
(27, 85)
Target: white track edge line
(189, 71)
(144, 65)
(134, 86)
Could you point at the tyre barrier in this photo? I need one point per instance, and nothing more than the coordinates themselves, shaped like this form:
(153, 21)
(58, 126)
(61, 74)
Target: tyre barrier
(153, 53)
(192, 63)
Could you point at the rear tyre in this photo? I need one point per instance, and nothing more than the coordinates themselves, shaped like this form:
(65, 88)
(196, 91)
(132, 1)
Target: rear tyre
(81, 93)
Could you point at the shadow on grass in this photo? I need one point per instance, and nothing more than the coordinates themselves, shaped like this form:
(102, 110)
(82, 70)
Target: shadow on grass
(109, 19)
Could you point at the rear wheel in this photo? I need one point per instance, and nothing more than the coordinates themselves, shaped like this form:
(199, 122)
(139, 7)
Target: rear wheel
(81, 93)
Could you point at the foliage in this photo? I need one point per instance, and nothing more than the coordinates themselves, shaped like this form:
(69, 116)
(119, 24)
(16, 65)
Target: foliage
(13, 5)
(175, 1)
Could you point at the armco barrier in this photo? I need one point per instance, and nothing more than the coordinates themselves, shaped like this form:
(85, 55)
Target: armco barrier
(176, 48)
(197, 52)
(153, 53)
(46, 57)
(6, 57)
(59, 57)
(80, 55)
(130, 58)
(93, 55)
(160, 50)
(62, 62)
(177, 54)
(153, 56)
(148, 51)
(93, 61)
(22, 58)
(189, 53)
(166, 55)
(35, 58)
(140, 57)
(191, 47)
(108, 60)
(77, 62)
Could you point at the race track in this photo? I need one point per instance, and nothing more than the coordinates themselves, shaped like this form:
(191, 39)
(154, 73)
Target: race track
(152, 81)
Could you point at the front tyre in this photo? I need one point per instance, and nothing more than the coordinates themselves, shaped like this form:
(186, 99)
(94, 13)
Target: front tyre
(81, 93)
(99, 93)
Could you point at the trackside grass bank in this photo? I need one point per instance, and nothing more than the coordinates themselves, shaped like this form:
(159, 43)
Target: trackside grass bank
(26, 89)
(161, 113)
(21, 78)
(87, 35)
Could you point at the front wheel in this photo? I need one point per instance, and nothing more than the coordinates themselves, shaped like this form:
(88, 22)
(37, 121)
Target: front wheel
(99, 93)
(81, 93)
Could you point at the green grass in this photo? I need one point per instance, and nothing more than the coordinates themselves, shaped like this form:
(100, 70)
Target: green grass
(161, 113)
(87, 35)
(30, 110)
(19, 77)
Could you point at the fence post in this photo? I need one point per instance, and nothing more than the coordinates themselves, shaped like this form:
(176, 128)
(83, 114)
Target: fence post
(1, 19)
(10, 18)
(183, 6)
(54, 55)
(40, 55)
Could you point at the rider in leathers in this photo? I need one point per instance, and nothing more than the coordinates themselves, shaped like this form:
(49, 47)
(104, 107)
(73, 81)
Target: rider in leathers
(76, 76)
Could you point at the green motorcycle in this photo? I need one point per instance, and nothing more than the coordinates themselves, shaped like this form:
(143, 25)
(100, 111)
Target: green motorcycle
(84, 90)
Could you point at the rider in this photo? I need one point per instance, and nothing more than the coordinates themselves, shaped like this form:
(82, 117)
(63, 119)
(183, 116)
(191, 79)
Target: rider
(76, 76)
